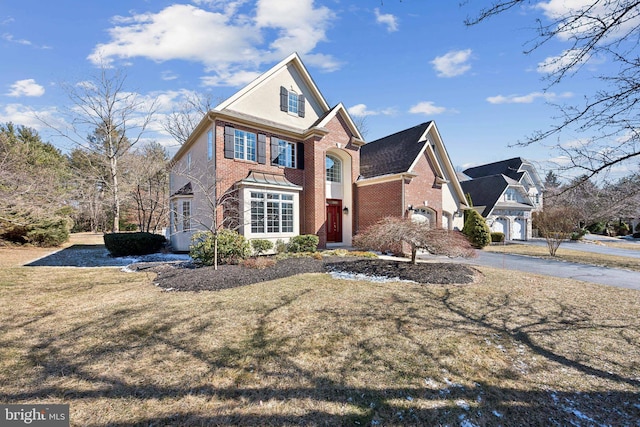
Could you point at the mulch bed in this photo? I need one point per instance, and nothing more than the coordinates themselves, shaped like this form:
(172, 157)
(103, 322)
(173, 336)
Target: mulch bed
(185, 277)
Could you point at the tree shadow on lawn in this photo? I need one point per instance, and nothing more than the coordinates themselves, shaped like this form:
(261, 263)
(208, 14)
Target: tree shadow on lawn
(270, 353)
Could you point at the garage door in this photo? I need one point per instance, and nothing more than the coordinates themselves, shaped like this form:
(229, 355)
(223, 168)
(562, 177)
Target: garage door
(501, 225)
(519, 230)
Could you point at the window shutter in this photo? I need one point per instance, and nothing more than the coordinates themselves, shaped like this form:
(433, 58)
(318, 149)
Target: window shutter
(275, 151)
(262, 148)
(301, 105)
(229, 136)
(300, 155)
(284, 99)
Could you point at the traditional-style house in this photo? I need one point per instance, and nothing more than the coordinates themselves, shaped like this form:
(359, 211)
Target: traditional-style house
(409, 174)
(506, 193)
(275, 160)
(284, 160)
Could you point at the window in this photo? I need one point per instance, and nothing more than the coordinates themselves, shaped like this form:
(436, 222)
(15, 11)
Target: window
(186, 215)
(210, 144)
(271, 212)
(174, 216)
(285, 153)
(292, 105)
(244, 145)
(188, 161)
(511, 195)
(291, 102)
(334, 169)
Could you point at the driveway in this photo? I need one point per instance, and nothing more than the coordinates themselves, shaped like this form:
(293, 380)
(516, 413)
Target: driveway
(569, 270)
(589, 245)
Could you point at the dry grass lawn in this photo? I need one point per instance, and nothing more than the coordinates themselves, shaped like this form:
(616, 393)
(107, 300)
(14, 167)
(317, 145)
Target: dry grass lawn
(511, 349)
(570, 255)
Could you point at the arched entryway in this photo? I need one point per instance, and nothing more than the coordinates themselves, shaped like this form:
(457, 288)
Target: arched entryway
(339, 197)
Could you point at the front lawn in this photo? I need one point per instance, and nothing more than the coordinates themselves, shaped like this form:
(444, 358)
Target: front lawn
(510, 349)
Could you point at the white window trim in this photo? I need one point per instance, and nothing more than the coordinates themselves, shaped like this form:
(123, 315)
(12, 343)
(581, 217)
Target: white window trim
(339, 162)
(247, 224)
(291, 95)
(294, 155)
(245, 145)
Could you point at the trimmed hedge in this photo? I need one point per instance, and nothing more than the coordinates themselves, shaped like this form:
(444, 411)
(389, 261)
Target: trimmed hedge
(124, 244)
(303, 243)
(497, 237)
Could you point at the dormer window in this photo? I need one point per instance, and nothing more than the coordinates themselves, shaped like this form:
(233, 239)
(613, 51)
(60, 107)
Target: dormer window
(291, 102)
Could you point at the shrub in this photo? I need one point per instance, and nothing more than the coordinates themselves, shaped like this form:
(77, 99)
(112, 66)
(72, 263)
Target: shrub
(303, 243)
(622, 229)
(45, 232)
(497, 237)
(476, 230)
(597, 228)
(259, 263)
(261, 246)
(124, 244)
(637, 230)
(579, 234)
(232, 247)
(280, 246)
(636, 235)
(50, 232)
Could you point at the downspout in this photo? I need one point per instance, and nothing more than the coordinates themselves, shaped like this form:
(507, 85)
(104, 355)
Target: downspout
(402, 196)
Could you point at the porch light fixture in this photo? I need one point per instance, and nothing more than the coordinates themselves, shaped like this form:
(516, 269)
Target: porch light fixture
(410, 207)
(345, 210)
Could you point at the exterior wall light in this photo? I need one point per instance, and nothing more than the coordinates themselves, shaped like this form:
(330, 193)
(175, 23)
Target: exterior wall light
(345, 210)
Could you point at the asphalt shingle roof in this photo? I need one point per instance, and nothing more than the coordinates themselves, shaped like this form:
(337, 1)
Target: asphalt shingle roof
(485, 191)
(507, 167)
(392, 154)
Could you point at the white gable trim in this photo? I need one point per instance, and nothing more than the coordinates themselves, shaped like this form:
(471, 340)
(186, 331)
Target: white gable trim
(292, 59)
(448, 166)
(358, 140)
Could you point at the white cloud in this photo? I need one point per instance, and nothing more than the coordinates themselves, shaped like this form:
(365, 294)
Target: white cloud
(9, 37)
(452, 63)
(238, 78)
(554, 63)
(427, 108)
(26, 116)
(168, 75)
(387, 19)
(224, 39)
(528, 98)
(361, 110)
(26, 87)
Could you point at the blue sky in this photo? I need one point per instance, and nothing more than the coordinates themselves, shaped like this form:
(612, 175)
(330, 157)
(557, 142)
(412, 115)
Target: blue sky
(399, 63)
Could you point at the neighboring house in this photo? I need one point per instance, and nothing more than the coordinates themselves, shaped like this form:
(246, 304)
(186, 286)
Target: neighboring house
(506, 193)
(409, 174)
(279, 152)
(290, 164)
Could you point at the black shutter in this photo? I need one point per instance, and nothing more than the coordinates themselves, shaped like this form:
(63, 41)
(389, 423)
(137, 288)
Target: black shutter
(284, 99)
(301, 105)
(229, 136)
(275, 151)
(262, 148)
(300, 155)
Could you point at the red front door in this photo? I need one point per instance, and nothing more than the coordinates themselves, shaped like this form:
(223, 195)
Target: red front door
(334, 221)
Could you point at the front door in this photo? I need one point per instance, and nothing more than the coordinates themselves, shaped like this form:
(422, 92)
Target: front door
(334, 221)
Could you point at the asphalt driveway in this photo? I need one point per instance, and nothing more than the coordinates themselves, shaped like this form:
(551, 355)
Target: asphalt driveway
(570, 270)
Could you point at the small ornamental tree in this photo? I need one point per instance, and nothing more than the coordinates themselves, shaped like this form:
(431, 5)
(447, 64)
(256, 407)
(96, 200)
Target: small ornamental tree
(555, 224)
(476, 229)
(390, 233)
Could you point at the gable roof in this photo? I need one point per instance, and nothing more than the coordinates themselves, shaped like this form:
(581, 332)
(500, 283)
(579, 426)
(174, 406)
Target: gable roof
(509, 167)
(225, 110)
(292, 60)
(485, 191)
(393, 154)
(400, 152)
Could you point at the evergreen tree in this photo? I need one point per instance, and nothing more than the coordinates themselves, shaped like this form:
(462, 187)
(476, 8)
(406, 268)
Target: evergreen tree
(476, 229)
